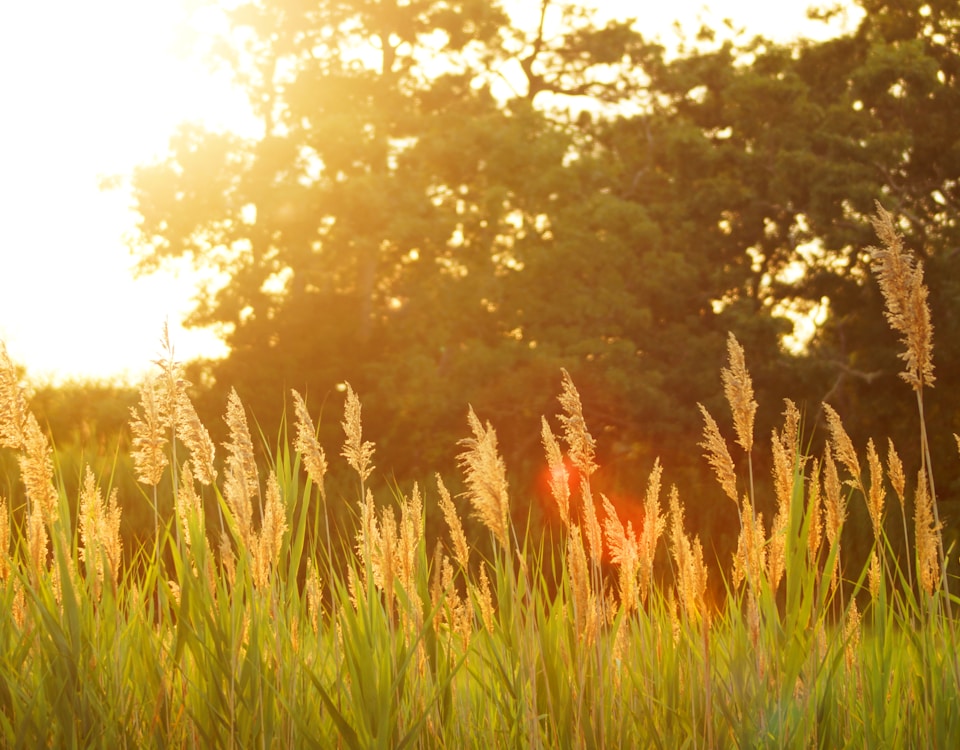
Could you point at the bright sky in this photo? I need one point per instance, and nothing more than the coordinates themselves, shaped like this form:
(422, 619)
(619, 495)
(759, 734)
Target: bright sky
(91, 89)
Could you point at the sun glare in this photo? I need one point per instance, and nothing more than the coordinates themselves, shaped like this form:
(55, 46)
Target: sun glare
(91, 90)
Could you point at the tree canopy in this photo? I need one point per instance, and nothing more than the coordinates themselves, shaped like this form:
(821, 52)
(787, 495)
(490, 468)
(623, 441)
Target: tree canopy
(446, 205)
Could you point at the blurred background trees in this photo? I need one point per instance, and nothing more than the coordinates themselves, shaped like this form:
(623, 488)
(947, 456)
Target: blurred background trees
(448, 203)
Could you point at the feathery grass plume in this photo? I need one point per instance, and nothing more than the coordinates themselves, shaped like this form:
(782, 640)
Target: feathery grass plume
(905, 295)
(357, 452)
(783, 450)
(37, 540)
(149, 440)
(187, 506)
(624, 553)
(841, 443)
(410, 534)
(851, 633)
(815, 509)
(241, 461)
(875, 496)
(486, 478)
(485, 599)
(927, 536)
(272, 531)
(36, 469)
(654, 525)
(581, 446)
(559, 475)
(314, 459)
(591, 525)
(368, 536)
(688, 558)
(898, 479)
(718, 455)
(4, 540)
(458, 617)
(957, 438)
(313, 591)
(461, 551)
(750, 559)
(384, 559)
(99, 533)
(194, 436)
(835, 510)
(13, 403)
(238, 496)
(585, 620)
(738, 389)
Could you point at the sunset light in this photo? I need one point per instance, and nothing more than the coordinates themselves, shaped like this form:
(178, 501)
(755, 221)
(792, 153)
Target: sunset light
(95, 89)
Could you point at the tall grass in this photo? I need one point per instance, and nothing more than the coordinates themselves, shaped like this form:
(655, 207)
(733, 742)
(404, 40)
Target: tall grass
(245, 623)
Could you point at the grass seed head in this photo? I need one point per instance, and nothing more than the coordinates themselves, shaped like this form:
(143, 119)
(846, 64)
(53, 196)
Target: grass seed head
(905, 298)
(241, 462)
(815, 509)
(194, 435)
(486, 478)
(149, 438)
(13, 403)
(581, 446)
(558, 473)
(842, 444)
(314, 459)
(357, 452)
(876, 494)
(4, 540)
(927, 536)
(36, 469)
(718, 455)
(485, 599)
(898, 479)
(738, 389)
(461, 551)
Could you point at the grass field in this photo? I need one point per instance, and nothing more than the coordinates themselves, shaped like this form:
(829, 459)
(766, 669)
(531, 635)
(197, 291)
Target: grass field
(246, 623)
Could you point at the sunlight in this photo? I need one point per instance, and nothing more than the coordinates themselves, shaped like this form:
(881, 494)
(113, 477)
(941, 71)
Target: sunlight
(92, 90)
(100, 88)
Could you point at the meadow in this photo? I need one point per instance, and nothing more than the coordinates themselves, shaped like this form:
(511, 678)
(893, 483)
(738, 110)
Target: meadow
(246, 622)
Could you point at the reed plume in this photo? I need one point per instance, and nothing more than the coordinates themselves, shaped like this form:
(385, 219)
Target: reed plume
(4, 540)
(273, 527)
(624, 553)
(486, 478)
(927, 532)
(100, 544)
(241, 464)
(586, 618)
(654, 525)
(905, 297)
(842, 445)
(581, 446)
(718, 455)
(357, 452)
(559, 476)
(314, 458)
(36, 470)
(461, 551)
(815, 510)
(149, 439)
(738, 389)
(13, 403)
(835, 509)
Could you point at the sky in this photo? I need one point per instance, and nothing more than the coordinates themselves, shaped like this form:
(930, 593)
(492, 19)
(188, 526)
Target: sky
(89, 91)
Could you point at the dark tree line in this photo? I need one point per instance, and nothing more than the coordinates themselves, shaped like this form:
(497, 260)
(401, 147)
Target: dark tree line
(446, 208)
